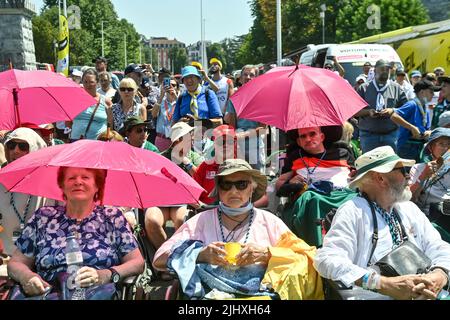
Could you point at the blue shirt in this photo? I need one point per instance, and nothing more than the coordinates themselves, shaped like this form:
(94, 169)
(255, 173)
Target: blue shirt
(98, 125)
(206, 109)
(411, 112)
(105, 238)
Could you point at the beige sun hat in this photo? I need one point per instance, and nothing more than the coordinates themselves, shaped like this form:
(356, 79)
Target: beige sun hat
(381, 159)
(231, 166)
(179, 129)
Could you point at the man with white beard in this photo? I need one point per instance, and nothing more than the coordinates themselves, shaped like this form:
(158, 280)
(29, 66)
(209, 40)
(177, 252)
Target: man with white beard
(349, 251)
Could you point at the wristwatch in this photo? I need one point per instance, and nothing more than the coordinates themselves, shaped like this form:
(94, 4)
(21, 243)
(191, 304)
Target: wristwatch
(115, 276)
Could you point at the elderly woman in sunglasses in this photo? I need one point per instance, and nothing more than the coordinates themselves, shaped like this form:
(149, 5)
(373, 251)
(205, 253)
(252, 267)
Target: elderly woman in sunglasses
(17, 208)
(199, 250)
(127, 106)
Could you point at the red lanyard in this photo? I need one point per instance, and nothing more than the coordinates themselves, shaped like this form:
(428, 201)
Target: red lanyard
(169, 116)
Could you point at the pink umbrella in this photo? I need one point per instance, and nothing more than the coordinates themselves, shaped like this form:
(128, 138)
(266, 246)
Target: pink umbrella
(297, 97)
(136, 178)
(39, 97)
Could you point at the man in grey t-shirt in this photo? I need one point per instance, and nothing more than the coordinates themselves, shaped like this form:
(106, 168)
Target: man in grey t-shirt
(382, 95)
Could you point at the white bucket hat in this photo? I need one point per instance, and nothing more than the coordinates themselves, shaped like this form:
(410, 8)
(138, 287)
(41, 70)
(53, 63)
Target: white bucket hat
(382, 159)
(179, 129)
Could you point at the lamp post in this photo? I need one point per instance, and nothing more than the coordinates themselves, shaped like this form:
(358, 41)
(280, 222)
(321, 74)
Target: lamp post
(103, 42)
(323, 8)
(125, 48)
(279, 46)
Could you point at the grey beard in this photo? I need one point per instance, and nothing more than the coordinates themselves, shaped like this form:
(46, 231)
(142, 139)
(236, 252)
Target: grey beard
(401, 194)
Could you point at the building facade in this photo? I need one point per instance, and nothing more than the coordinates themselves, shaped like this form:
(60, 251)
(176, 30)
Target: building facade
(162, 46)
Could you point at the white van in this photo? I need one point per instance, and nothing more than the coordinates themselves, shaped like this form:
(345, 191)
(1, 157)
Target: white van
(351, 56)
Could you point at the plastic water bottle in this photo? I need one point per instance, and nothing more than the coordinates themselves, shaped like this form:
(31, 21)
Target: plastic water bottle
(74, 260)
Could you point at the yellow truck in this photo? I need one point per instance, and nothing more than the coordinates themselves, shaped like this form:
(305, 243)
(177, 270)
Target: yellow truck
(423, 47)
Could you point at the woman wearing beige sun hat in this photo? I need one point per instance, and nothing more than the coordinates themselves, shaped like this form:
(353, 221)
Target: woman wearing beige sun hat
(267, 251)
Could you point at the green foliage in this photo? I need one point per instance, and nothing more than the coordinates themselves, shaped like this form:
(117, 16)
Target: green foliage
(345, 20)
(85, 43)
(179, 58)
(353, 16)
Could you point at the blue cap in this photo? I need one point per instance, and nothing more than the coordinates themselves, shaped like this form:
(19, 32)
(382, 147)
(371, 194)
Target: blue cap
(416, 73)
(438, 133)
(190, 71)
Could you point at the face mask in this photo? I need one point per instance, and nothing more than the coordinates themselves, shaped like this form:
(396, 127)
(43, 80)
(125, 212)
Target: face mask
(232, 212)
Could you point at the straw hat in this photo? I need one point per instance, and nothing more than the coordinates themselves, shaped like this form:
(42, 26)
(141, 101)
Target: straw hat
(382, 160)
(231, 166)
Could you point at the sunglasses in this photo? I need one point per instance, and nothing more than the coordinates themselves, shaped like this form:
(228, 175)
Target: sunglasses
(403, 170)
(227, 185)
(23, 146)
(126, 89)
(140, 130)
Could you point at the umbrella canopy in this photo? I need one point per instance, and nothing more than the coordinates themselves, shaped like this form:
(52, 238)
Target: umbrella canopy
(39, 97)
(136, 177)
(297, 97)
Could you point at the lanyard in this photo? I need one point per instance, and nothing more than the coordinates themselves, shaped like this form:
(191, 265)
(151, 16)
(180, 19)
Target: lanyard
(166, 107)
(13, 205)
(234, 230)
(310, 172)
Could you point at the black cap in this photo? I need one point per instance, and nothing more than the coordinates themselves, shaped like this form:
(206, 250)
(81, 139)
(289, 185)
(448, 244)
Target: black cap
(133, 68)
(164, 70)
(100, 58)
(444, 79)
(401, 71)
(367, 64)
(425, 84)
(382, 63)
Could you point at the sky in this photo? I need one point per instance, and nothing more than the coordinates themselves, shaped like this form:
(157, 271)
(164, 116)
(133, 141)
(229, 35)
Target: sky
(180, 19)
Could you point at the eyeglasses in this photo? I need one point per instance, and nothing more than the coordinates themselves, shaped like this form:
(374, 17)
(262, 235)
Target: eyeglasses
(404, 170)
(126, 89)
(23, 146)
(227, 185)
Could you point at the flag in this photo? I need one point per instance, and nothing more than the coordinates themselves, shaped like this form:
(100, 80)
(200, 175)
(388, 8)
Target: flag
(63, 46)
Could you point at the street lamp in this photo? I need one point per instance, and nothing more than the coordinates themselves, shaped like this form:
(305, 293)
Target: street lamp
(279, 45)
(323, 8)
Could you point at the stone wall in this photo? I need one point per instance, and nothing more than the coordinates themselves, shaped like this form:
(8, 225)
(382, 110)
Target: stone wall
(16, 37)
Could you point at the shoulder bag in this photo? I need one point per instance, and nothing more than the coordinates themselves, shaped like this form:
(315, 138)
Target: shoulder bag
(407, 258)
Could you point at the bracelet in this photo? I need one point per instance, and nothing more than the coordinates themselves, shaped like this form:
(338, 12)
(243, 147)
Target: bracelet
(365, 279)
(188, 166)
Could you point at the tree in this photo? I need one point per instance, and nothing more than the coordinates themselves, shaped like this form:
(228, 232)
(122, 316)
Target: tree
(85, 43)
(44, 37)
(215, 50)
(353, 17)
(179, 58)
(345, 20)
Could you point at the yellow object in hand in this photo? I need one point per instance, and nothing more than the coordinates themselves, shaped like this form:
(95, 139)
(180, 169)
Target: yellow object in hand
(232, 249)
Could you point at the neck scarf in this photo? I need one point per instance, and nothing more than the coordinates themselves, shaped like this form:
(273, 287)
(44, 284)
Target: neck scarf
(380, 99)
(194, 105)
(422, 112)
(393, 224)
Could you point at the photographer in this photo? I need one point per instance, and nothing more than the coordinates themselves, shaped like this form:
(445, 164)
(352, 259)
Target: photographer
(163, 111)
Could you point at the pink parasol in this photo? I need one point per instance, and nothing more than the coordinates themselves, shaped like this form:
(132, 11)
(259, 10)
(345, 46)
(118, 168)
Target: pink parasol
(297, 97)
(39, 97)
(136, 177)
